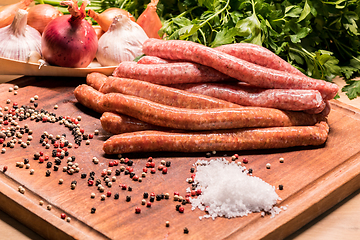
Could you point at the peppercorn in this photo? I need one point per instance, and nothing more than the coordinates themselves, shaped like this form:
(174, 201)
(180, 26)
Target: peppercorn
(192, 170)
(158, 197)
(181, 209)
(281, 187)
(132, 174)
(152, 198)
(93, 210)
(128, 198)
(146, 195)
(48, 172)
(56, 168)
(137, 210)
(250, 171)
(177, 207)
(63, 216)
(186, 230)
(116, 196)
(49, 164)
(164, 170)
(108, 194)
(129, 188)
(130, 162)
(245, 160)
(5, 168)
(83, 175)
(26, 160)
(168, 164)
(117, 172)
(148, 204)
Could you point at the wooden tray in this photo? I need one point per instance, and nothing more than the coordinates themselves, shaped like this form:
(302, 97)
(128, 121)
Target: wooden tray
(314, 179)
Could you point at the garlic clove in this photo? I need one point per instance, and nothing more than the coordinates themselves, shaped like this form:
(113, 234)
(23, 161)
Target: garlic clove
(33, 57)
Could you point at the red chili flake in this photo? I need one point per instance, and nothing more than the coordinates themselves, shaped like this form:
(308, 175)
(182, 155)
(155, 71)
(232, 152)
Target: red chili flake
(5, 168)
(91, 182)
(181, 209)
(41, 159)
(176, 193)
(164, 170)
(108, 194)
(245, 160)
(91, 136)
(82, 130)
(145, 170)
(137, 210)
(116, 162)
(150, 159)
(160, 167)
(198, 191)
(193, 192)
(153, 170)
(111, 164)
(63, 215)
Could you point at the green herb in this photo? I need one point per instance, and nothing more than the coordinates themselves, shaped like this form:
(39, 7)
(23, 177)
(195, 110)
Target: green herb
(319, 37)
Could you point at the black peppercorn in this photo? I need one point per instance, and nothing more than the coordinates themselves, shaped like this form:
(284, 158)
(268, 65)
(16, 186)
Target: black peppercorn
(168, 163)
(158, 197)
(250, 170)
(183, 202)
(126, 172)
(128, 198)
(93, 210)
(83, 175)
(117, 172)
(130, 162)
(116, 196)
(129, 188)
(186, 230)
(132, 174)
(92, 173)
(47, 173)
(97, 182)
(146, 195)
(152, 198)
(26, 161)
(281, 187)
(177, 207)
(49, 164)
(192, 170)
(56, 168)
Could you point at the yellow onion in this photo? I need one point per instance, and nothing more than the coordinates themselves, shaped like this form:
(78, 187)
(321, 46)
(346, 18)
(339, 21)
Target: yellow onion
(40, 15)
(105, 18)
(8, 12)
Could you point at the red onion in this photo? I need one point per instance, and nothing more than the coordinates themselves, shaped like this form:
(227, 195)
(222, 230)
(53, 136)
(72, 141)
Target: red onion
(69, 40)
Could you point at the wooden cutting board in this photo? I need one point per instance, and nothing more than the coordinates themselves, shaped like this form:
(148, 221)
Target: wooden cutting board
(314, 179)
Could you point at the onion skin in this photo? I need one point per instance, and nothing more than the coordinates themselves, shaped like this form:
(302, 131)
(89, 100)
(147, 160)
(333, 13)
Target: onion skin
(8, 12)
(69, 40)
(40, 15)
(105, 18)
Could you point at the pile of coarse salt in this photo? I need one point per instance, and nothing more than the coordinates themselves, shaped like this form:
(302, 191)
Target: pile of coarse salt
(227, 190)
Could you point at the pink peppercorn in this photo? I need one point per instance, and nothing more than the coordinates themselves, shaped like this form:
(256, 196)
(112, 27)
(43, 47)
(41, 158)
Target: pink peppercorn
(198, 191)
(91, 136)
(56, 145)
(123, 186)
(135, 178)
(82, 130)
(193, 192)
(1, 140)
(62, 144)
(46, 158)
(137, 210)
(150, 159)
(145, 170)
(5, 122)
(41, 153)
(108, 194)
(176, 193)
(164, 170)
(126, 160)
(63, 215)
(152, 164)
(41, 159)
(181, 209)
(245, 160)
(91, 182)
(148, 204)
(111, 164)
(153, 170)
(116, 162)
(160, 167)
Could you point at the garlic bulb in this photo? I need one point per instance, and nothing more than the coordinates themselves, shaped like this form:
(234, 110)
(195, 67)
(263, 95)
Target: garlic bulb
(122, 42)
(18, 40)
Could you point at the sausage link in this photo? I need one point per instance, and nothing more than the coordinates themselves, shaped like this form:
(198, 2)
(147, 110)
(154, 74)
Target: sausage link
(90, 98)
(231, 140)
(286, 99)
(235, 67)
(153, 60)
(258, 55)
(168, 73)
(96, 80)
(203, 119)
(162, 94)
(118, 123)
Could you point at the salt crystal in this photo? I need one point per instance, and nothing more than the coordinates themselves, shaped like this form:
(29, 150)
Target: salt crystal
(228, 191)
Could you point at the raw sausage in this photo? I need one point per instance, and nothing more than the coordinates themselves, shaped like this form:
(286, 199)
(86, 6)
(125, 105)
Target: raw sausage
(162, 94)
(168, 73)
(203, 119)
(258, 55)
(234, 67)
(230, 140)
(118, 123)
(96, 80)
(153, 60)
(286, 99)
(90, 98)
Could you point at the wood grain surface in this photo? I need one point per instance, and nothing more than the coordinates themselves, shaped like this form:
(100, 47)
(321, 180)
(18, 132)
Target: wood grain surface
(314, 179)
